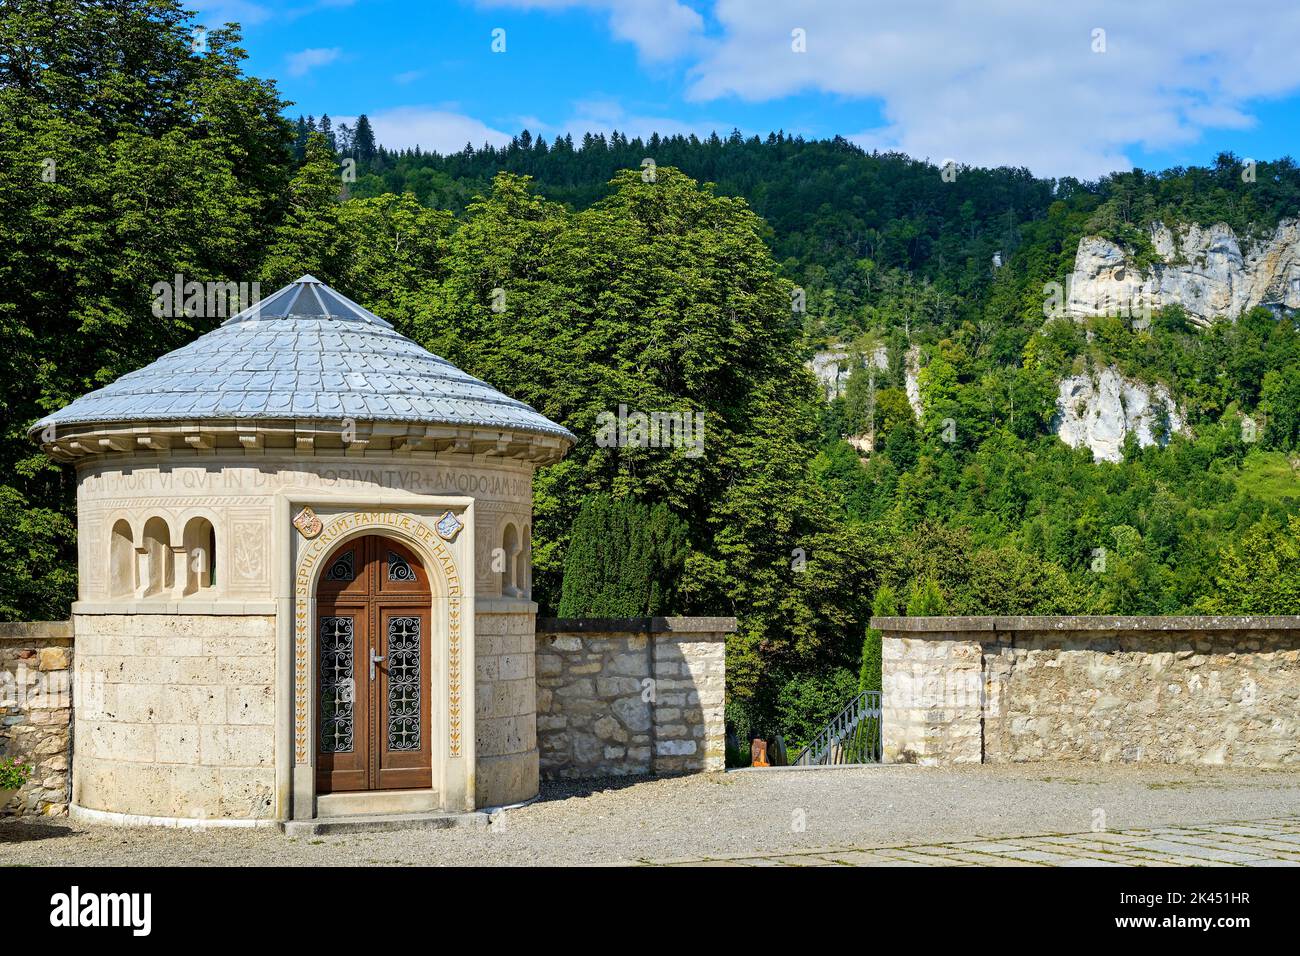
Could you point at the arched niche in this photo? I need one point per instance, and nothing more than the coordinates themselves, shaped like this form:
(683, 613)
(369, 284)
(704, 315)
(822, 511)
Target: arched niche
(158, 572)
(200, 540)
(510, 552)
(121, 560)
(524, 564)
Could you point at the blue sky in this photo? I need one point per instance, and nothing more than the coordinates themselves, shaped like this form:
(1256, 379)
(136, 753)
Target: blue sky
(1062, 91)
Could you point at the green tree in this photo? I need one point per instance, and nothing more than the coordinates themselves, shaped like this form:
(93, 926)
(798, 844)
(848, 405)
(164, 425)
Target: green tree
(807, 701)
(623, 560)
(925, 599)
(1261, 573)
(892, 410)
(1280, 403)
(129, 157)
(884, 604)
(309, 239)
(363, 140)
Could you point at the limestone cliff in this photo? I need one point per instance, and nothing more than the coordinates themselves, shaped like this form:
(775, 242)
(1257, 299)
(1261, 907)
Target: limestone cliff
(1101, 411)
(912, 379)
(1202, 268)
(833, 365)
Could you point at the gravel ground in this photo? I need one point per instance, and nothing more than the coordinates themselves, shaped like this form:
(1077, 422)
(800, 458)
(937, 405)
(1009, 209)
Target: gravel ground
(617, 821)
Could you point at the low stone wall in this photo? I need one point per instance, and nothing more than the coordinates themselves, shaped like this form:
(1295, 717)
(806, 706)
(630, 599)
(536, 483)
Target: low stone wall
(36, 712)
(624, 697)
(1186, 690)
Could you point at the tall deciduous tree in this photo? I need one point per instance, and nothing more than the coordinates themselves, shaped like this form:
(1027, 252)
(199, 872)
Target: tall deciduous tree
(134, 149)
(308, 239)
(1261, 573)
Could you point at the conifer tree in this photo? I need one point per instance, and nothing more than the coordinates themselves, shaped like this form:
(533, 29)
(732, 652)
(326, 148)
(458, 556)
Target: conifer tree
(363, 140)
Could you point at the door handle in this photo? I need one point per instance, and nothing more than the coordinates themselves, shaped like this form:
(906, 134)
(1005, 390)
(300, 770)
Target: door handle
(374, 659)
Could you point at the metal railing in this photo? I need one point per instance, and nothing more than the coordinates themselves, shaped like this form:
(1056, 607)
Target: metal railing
(852, 736)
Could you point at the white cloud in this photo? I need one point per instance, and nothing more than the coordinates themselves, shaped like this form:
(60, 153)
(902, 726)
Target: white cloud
(604, 115)
(304, 61)
(1016, 83)
(405, 127)
(214, 13)
(661, 30)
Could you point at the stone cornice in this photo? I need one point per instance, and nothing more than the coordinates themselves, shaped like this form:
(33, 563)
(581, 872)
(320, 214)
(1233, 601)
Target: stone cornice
(969, 625)
(636, 625)
(299, 438)
(36, 630)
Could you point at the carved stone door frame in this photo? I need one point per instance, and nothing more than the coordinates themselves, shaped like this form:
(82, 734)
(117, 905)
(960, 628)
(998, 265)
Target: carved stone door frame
(448, 559)
(374, 670)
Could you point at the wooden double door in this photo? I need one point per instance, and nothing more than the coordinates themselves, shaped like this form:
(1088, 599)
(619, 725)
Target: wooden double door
(373, 649)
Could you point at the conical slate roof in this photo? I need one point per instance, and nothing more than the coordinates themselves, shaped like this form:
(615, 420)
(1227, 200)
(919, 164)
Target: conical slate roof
(305, 352)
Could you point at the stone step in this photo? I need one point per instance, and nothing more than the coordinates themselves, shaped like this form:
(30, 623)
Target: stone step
(322, 826)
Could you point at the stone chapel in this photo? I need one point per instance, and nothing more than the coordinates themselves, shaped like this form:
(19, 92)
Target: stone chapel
(304, 576)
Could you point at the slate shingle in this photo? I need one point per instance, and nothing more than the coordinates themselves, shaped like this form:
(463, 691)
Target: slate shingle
(282, 358)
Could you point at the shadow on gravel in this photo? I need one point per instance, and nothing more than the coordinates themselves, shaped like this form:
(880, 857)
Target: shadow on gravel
(552, 790)
(18, 831)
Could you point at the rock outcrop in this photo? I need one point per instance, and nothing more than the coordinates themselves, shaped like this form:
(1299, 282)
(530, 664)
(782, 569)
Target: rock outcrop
(1203, 269)
(912, 379)
(1102, 411)
(1098, 410)
(832, 367)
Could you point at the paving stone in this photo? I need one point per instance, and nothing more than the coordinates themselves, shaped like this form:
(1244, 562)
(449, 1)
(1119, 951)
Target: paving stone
(1110, 854)
(921, 854)
(713, 863)
(859, 858)
(1251, 844)
(1196, 851)
(1091, 861)
(1246, 831)
(905, 863)
(935, 850)
(1039, 856)
(1253, 847)
(981, 859)
(846, 859)
(989, 847)
(1094, 839)
(1277, 848)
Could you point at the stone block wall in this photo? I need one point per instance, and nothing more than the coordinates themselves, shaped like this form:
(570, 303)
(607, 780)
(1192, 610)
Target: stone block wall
(176, 718)
(930, 708)
(627, 697)
(36, 712)
(505, 702)
(1183, 690)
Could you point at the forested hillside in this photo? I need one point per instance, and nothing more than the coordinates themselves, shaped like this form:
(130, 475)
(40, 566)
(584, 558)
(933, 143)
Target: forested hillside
(576, 278)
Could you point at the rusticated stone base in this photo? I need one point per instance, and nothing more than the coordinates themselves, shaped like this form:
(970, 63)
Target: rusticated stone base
(626, 697)
(505, 700)
(179, 717)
